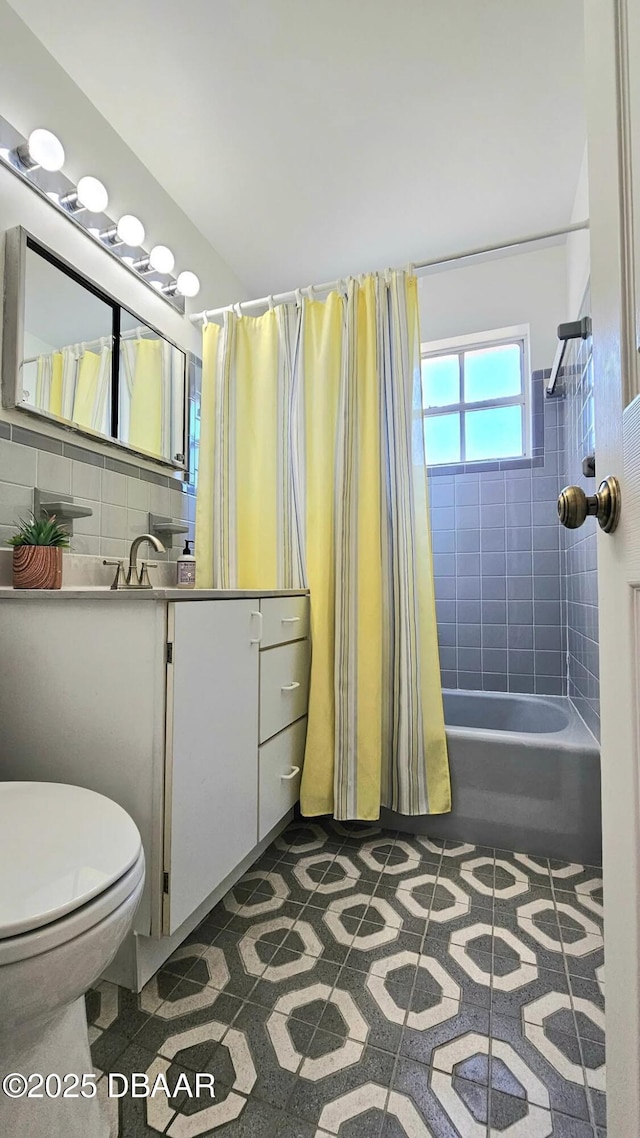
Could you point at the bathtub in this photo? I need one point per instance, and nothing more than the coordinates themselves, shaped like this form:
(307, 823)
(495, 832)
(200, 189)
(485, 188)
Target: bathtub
(525, 776)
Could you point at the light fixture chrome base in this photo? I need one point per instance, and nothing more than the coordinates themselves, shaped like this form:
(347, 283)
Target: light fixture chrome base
(54, 188)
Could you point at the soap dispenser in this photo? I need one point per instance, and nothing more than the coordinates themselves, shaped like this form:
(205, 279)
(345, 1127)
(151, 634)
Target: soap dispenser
(186, 568)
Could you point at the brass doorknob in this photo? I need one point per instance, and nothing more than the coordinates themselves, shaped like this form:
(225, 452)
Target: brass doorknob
(574, 505)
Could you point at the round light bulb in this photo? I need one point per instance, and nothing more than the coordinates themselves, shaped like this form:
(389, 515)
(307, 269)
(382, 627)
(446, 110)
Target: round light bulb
(45, 149)
(130, 230)
(161, 259)
(188, 283)
(92, 195)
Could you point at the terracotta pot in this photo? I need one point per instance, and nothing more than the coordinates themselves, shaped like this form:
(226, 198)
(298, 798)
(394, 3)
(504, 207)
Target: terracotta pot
(37, 567)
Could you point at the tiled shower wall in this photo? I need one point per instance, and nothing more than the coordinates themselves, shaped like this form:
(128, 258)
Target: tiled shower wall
(496, 543)
(120, 494)
(579, 566)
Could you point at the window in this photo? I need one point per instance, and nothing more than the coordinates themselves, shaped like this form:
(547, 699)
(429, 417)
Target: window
(475, 393)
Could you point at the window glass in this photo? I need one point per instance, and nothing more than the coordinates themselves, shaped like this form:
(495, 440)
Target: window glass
(442, 438)
(480, 391)
(441, 381)
(494, 432)
(492, 373)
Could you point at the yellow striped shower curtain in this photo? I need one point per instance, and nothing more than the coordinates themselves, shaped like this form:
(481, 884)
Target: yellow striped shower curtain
(312, 474)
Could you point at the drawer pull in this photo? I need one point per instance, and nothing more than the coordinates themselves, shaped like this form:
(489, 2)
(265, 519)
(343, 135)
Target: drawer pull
(257, 617)
(290, 619)
(290, 687)
(288, 777)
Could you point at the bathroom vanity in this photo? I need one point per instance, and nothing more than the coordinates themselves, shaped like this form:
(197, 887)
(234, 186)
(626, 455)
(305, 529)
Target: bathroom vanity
(188, 709)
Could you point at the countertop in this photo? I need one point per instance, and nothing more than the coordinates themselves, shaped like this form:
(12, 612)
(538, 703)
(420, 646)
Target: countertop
(100, 593)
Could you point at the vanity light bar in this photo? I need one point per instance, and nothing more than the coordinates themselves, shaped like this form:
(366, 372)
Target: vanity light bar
(38, 161)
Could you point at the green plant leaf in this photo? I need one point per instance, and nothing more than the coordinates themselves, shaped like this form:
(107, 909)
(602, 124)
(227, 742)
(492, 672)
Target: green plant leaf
(45, 530)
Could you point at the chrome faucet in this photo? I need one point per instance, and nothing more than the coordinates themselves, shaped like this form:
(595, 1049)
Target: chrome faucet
(132, 579)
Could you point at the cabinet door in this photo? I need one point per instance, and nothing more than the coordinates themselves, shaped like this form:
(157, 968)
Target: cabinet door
(211, 804)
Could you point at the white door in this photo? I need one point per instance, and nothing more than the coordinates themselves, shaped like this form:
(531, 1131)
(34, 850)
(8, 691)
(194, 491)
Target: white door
(613, 104)
(211, 783)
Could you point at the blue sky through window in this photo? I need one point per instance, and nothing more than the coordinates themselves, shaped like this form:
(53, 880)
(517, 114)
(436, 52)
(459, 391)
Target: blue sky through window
(474, 403)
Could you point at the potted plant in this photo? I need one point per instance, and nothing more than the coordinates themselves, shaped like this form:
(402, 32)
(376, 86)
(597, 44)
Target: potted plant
(37, 553)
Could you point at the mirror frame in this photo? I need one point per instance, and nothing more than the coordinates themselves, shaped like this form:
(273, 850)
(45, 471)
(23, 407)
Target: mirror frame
(17, 241)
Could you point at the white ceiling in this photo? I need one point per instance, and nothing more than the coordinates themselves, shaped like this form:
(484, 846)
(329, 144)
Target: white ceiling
(308, 140)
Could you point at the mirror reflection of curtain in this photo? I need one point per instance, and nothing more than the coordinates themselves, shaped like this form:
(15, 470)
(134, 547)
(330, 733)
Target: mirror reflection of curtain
(75, 383)
(145, 394)
(56, 382)
(93, 383)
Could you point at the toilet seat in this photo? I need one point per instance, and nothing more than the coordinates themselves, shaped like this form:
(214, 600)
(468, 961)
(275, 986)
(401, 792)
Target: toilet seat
(62, 848)
(51, 936)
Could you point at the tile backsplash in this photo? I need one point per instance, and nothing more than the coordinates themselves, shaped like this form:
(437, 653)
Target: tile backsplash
(120, 494)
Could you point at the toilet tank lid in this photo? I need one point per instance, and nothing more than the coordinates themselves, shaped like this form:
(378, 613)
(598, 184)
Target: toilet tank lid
(60, 846)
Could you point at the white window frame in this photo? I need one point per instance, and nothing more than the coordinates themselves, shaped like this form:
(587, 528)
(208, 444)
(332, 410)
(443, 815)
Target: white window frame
(458, 345)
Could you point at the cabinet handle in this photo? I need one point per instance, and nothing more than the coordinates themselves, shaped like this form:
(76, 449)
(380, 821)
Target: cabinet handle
(288, 777)
(290, 619)
(257, 639)
(290, 687)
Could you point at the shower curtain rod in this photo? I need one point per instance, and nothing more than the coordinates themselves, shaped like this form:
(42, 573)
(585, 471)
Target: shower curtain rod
(328, 286)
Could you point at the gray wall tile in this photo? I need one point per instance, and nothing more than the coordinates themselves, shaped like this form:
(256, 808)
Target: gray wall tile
(443, 541)
(494, 682)
(467, 493)
(468, 564)
(112, 547)
(492, 492)
(468, 541)
(468, 588)
(520, 636)
(114, 489)
(89, 526)
(447, 635)
(86, 481)
(114, 521)
(469, 635)
(159, 500)
(494, 635)
(86, 545)
(507, 514)
(16, 502)
(54, 473)
(17, 464)
(444, 565)
(33, 439)
(493, 541)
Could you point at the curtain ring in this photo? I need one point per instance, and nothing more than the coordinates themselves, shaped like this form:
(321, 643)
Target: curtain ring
(298, 295)
(205, 320)
(310, 292)
(270, 303)
(411, 268)
(237, 307)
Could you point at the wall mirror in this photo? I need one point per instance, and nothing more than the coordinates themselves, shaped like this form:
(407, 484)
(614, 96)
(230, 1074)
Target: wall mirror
(72, 354)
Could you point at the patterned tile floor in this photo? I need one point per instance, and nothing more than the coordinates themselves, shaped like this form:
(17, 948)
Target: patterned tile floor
(366, 984)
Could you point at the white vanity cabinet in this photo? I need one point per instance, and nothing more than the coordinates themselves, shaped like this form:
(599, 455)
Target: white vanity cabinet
(190, 711)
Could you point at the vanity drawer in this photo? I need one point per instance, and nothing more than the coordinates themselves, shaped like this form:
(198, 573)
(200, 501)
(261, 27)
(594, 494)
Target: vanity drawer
(284, 687)
(284, 619)
(278, 779)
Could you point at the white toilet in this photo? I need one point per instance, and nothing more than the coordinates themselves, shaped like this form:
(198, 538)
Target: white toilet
(71, 878)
